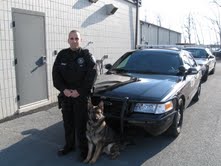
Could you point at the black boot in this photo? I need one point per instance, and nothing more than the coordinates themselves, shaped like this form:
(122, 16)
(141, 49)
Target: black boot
(65, 150)
(83, 155)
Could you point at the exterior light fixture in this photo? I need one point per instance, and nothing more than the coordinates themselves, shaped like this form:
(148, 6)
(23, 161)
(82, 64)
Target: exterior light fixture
(111, 9)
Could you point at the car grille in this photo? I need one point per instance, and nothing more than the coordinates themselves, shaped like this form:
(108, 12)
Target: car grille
(112, 106)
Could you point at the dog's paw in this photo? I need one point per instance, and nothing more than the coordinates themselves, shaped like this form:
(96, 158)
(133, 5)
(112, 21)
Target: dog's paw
(114, 156)
(86, 161)
(92, 161)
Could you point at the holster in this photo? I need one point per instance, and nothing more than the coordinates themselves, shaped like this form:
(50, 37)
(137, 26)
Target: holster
(60, 100)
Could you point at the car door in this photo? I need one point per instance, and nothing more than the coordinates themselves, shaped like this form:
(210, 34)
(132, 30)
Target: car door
(211, 59)
(196, 78)
(192, 80)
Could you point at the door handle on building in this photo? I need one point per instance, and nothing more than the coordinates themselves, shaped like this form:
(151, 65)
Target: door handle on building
(44, 60)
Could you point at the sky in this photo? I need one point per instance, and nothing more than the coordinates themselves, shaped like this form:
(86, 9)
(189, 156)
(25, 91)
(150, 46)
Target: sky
(173, 15)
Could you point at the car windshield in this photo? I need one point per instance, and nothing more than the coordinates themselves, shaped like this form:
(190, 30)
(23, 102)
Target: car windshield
(148, 63)
(198, 53)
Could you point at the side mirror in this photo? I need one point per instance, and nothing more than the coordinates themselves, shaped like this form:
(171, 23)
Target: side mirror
(210, 57)
(182, 69)
(192, 70)
(108, 66)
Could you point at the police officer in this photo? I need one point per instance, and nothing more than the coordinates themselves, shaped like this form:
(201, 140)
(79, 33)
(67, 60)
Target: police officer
(74, 73)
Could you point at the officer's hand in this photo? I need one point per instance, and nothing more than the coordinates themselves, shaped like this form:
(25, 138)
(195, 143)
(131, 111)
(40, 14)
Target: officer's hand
(74, 93)
(67, 92)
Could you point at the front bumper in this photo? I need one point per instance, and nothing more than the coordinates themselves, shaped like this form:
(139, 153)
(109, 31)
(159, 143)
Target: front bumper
(204, 69)
(155, 124)
(119, 113)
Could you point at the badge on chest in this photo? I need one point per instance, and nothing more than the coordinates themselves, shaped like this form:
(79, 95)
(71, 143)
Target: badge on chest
(81, 62)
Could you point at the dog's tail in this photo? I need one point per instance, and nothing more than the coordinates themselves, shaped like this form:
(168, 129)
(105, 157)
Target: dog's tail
(125, 142)
(114, 149)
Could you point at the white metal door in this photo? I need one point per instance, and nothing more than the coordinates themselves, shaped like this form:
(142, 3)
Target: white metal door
(30, 56)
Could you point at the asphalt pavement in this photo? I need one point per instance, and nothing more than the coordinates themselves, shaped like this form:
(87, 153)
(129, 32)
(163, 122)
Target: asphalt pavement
(34, 139)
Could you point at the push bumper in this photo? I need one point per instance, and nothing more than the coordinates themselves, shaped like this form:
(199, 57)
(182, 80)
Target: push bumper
(155, 124)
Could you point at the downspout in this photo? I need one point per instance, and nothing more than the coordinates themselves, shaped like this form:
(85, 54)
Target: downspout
(137, 23)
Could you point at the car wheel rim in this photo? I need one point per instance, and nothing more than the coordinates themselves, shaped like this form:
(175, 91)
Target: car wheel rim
(178, 120)
(199, 90)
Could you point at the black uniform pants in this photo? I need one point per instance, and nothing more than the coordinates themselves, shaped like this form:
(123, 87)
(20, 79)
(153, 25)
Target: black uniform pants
(75, 115)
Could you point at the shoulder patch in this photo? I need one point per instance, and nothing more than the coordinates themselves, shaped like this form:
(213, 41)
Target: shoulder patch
(87, 53)
(93, 58)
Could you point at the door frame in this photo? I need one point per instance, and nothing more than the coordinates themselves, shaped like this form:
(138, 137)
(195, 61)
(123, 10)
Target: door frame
(39, 103)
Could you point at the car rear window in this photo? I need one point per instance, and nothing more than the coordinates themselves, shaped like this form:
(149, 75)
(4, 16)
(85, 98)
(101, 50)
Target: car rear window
(197, 53)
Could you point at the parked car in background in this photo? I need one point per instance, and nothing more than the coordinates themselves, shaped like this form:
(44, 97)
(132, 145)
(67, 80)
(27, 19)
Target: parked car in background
(205, 59)
(149, 88)
(217, 53)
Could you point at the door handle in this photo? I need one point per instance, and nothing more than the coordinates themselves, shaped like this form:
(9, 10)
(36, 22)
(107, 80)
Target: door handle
(44, 60)
(41, 61)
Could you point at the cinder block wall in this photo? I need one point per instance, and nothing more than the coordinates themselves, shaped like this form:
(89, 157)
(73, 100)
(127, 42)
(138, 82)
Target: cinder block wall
(110, 35)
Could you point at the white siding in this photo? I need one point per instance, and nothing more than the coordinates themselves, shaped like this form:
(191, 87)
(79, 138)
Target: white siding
(111, 35)
(164, 36)
(175, 37)
(156, 35)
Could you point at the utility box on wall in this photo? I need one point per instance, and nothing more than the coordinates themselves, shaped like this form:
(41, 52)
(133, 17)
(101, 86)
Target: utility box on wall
(111, 9)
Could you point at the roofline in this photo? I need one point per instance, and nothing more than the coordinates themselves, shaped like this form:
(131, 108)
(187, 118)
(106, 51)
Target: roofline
(141, 21)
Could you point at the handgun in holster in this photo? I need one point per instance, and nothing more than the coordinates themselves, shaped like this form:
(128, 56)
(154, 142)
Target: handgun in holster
(60, 99)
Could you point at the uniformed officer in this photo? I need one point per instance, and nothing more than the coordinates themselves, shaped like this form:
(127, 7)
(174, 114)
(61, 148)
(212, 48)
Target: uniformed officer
(74, 73)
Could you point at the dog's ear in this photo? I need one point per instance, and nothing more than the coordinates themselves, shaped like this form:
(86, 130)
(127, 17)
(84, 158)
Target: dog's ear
(101, 105)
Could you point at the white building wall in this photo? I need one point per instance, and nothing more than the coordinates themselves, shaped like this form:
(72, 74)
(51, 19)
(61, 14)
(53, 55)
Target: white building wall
(163, 36)
(156, 35)
(111, 35)
(176, 38)
(149, 34)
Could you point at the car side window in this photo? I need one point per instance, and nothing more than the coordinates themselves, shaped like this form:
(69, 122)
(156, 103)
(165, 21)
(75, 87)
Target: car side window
(123, 63)
(209, 52)
(186, 60)
(192, 62)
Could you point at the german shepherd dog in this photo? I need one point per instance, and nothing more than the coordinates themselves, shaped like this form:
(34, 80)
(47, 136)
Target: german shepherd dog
(101, 138)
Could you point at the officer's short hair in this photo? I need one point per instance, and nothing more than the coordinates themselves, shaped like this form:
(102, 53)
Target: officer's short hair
(74, 31)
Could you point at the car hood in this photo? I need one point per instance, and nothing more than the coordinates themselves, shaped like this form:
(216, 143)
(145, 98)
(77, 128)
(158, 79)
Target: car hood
(201, 61)
(135, 86)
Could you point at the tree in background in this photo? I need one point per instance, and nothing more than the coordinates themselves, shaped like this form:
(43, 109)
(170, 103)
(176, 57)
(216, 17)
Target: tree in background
(159, 20)
(188, 28)
(217, 3)
(192, 27)
(216, 21)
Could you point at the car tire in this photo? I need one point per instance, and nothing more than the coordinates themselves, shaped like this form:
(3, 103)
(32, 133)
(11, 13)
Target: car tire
(197, 95)
(213, 70)
(175, 128)
(205, 76)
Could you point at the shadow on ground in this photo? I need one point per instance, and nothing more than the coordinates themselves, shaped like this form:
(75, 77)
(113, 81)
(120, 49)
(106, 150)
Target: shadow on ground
(39, 147)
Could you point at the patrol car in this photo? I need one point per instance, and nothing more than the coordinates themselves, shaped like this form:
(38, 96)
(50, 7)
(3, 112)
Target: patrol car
(150, 89)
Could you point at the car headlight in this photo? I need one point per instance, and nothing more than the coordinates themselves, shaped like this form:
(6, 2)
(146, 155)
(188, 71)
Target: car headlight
(153, 108)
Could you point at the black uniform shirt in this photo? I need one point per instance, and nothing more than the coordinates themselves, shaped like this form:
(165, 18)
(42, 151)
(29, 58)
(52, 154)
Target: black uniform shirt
(74, 70)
